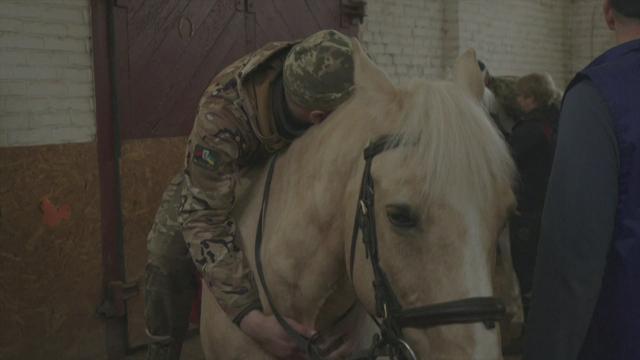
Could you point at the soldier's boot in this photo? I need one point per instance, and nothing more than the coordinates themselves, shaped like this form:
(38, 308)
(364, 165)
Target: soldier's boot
(168, 301)
(163, 351)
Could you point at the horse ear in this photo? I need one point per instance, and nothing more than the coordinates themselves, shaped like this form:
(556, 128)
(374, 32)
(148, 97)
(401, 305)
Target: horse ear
(368, 77)
(468, 75)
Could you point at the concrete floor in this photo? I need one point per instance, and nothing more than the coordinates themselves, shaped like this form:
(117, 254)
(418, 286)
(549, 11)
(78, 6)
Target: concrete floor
(193, 351)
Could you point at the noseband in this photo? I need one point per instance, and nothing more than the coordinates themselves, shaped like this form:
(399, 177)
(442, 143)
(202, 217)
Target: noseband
(389, 342)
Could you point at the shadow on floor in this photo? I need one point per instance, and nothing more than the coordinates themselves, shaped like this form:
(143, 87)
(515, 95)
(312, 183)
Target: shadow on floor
(191, 350)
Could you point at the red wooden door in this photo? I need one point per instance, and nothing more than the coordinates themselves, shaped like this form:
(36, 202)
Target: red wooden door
(166, 53)
(173, 48)
(291, 19)
(170, 49)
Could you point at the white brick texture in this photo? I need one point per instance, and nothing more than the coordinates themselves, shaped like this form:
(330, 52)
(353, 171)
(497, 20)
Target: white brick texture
(588, 33)
(46, 77)
(422, 38)
(516, 37)
(405, 37)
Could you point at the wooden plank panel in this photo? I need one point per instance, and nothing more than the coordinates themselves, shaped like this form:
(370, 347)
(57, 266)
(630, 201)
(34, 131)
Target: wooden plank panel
(154, 93)
(151, 21)
(183, 110)
(224, 19)
(169, 38)
(328, 14)
(50, 274)
(294, 19)
(283, 20)
(146, 166)
(167, 46)
(134, 5)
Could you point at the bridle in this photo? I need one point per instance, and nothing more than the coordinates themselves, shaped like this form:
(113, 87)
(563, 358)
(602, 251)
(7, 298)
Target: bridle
(389, 342)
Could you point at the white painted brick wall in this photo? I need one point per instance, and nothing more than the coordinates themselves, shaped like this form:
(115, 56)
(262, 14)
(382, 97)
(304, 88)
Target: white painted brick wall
(46, 78)
(513, 37)
(587, 33)
(516, 37)
(405, 37)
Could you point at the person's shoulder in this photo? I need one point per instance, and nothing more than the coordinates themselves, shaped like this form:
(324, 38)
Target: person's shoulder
(584, 109)
(582, 87)
(583, 99)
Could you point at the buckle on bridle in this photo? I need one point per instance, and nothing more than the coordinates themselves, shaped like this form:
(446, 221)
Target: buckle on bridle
(406, 350)
(363, 207)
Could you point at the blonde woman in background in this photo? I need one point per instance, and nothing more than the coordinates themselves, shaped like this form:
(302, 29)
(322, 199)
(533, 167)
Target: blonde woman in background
(532, 142)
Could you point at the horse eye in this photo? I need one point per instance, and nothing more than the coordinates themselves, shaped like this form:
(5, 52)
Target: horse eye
(401, 216)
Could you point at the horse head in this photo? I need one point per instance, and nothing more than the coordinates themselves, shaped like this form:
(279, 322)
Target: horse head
(441, 188)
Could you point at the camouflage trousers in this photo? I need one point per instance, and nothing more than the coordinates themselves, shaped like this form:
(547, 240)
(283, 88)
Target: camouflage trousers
(170, 281)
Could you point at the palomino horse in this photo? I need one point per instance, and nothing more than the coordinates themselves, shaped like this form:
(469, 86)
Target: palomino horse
(442, 184)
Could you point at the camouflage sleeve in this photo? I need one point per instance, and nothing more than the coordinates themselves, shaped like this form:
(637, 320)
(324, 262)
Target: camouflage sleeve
(504, 89)
(213, 151)
(164, 242)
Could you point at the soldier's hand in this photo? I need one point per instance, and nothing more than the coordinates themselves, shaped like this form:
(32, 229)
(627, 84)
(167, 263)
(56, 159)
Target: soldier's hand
(266, 330)
(347, 336)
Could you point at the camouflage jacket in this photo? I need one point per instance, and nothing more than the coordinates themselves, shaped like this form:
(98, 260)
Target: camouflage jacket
(234, 129)
(504, 89)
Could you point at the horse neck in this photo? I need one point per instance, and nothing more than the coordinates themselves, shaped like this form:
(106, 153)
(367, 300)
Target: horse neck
(309, 226)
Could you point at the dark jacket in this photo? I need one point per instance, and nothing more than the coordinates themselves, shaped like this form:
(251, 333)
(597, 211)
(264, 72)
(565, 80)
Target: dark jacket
(615, 325)
(586, 291)
(577, 223)
(532, 144)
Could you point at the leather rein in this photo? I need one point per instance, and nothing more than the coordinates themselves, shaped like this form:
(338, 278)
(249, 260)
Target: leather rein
(389, 342)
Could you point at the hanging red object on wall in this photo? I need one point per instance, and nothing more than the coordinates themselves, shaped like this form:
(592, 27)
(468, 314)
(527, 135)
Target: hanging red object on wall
(53, 215)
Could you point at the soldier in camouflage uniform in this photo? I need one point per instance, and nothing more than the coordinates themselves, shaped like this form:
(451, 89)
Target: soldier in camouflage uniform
(253, 108)
(504, 89)
(500, 99)
(170, 282)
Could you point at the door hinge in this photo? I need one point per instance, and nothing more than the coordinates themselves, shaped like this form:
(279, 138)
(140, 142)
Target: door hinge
(118, 292)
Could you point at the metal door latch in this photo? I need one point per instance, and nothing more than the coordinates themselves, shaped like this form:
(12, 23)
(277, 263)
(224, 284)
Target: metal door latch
(118, 293)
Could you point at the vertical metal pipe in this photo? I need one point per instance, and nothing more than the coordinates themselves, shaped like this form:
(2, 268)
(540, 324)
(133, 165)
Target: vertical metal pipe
(108, 149)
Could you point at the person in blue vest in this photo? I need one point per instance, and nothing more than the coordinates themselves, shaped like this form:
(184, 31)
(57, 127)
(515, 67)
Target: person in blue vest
(586, 294)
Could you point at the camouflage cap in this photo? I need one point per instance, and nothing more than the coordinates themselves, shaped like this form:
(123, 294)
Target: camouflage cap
(318, 72)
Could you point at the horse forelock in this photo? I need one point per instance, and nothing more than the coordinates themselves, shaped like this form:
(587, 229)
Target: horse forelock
(452, 144)
(447, 140)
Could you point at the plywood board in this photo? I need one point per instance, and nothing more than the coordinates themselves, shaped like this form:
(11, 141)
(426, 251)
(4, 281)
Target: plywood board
(146, 166)
(50, 253)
